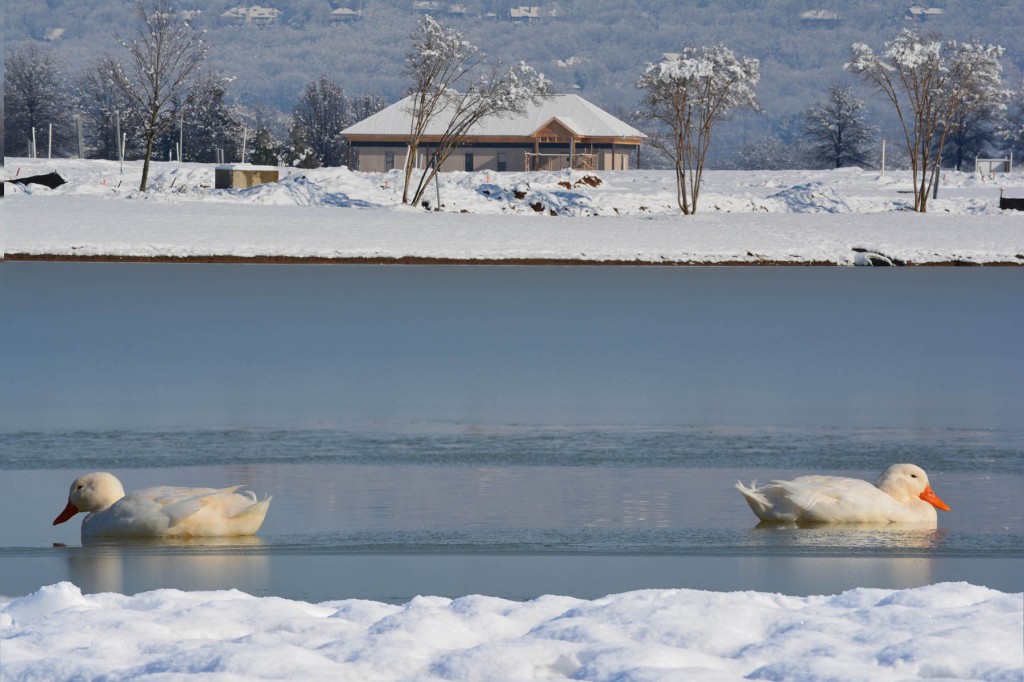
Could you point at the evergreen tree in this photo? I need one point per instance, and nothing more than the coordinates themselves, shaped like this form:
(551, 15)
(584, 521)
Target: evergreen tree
(837, 134)
(208, 121)
(319, 117)
(298, 152)
(971, 135)
(265, 149)
(1011, 130)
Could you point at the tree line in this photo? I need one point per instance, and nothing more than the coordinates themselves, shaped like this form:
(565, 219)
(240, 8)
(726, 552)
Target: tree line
(946, 95)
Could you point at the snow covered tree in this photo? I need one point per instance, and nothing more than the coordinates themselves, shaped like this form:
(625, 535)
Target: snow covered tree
(320, 115)
(35, 96)
(440, 61)
(836, 132)
(930, 83)
(265, 149)
(771, 153)
(1012, 127)
(298, 152)
(208, 121)
(686, 95)
(163, 56)
(972, 134)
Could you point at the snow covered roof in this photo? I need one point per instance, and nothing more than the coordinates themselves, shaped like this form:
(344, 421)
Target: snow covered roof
(583, 118)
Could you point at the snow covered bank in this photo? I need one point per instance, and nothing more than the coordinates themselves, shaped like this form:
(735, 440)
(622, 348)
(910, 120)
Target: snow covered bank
(951, 630)
(843, 217)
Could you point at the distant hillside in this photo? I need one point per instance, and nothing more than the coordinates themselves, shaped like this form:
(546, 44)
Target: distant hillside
(597, 48)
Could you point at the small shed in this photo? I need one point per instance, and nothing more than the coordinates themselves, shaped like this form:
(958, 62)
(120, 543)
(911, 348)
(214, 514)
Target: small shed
(242, 175)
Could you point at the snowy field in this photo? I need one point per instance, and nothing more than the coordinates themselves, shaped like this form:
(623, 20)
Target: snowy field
(838, 217)
(948, 631)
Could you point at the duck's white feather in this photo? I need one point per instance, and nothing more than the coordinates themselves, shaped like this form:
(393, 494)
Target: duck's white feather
(837, 499)
(165, 511)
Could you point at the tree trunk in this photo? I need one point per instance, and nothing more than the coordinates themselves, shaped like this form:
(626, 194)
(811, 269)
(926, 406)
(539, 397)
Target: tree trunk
(410, 165)
(145, 164)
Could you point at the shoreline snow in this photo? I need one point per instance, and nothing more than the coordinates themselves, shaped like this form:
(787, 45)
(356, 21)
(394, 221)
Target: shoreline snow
(841, 217)
(948, 630)
(953, 630)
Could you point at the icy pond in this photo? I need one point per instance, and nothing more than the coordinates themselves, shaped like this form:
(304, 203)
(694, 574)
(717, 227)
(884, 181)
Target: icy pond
(510, 431)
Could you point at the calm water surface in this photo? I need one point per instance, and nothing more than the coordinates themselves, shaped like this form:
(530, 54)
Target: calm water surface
(509, 431)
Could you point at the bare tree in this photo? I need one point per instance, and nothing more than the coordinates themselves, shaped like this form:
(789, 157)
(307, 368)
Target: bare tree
(108, 110)
(35, 96)
(164, 53)
(686, 95)
(930, 83)
(836, 130)
(440, 60)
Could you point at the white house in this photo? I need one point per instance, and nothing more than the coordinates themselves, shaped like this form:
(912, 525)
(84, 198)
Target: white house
(561, 131)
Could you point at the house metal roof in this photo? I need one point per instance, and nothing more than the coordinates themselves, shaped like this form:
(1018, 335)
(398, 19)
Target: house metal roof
(583, 118)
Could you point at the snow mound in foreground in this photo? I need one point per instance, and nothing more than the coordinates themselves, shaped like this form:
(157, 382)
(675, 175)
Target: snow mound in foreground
(812, 197)
(951, 630)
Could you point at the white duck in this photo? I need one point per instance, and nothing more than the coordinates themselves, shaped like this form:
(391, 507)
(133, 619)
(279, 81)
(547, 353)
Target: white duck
(162, 511)
(902, 495)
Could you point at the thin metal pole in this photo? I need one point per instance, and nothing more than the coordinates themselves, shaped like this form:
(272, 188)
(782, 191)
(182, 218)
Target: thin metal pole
(437, 183)
(49, 144)
(33, 142)
(117, 139)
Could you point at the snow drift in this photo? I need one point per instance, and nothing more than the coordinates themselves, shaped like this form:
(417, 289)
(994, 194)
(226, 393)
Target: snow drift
(948, 630)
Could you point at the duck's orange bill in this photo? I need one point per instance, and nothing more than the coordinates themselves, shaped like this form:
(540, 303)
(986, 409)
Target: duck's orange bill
(931, 498)
(71, 510)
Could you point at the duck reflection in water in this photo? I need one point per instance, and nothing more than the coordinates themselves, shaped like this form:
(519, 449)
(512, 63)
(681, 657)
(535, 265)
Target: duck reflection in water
(128, 567)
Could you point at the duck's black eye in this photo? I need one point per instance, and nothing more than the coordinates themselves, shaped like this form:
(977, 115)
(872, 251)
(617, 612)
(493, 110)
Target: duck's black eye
(80, 486)
(913, 475)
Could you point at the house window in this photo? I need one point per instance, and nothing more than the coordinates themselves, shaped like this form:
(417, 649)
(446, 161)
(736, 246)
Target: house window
(469, 163)
(389, 161)
(502, 162)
